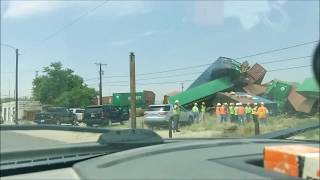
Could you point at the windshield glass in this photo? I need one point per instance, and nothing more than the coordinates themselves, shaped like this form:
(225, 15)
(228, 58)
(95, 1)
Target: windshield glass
(222, 68)
(159, 108)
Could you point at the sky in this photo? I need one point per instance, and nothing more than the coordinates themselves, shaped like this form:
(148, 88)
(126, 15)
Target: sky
(163, 35)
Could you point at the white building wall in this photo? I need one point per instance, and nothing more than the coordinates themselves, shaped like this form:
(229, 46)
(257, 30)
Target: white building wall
(8, 109)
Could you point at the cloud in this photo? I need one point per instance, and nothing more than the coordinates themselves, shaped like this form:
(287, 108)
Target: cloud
(121, 42)
(249, 13)
(21, 9)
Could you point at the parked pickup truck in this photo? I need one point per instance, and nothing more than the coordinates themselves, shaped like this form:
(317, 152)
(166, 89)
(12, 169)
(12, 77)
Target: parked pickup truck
(105, 115)
(56, 115)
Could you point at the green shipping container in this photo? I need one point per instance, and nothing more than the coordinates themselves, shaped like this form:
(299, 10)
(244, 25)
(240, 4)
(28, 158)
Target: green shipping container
(278, 92)
(143, 99)
(309, 88)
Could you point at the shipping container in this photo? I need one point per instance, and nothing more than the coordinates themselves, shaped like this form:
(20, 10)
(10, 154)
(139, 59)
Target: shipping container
(256, 73)
(279, 92)
(143, 99)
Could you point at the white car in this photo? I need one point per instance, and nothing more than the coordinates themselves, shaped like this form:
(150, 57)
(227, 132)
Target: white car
(159, 115)
(78, 112)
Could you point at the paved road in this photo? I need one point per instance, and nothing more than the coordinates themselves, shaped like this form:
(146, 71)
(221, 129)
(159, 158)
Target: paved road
(12, 141)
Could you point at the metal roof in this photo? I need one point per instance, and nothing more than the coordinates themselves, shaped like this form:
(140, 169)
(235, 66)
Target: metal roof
(202, 91)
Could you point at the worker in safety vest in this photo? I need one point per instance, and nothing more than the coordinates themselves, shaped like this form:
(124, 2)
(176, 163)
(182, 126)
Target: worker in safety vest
(218, 111)
(236, 112)
(227, 111)
(241, 113)
(203, 111)
(248, 110)
(232, 112)
(262, 113)
(195, 111)
(223, 113)
(176, 116)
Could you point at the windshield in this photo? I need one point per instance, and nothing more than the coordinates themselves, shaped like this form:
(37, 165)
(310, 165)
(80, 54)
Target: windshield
(159, 108)
(224, 69)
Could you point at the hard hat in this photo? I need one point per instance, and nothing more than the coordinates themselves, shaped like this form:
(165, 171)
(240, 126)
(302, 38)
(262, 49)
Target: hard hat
(225, 103)
(218, 104)
(262, 103)
(195, 104)
(177, 101)
(203, 103)
(248, 103)
(231, 104)
(255, 104)
(240, 104)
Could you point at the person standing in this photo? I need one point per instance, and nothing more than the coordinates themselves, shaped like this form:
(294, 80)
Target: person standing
(203, 111)
(248, 111)
(218, 111)
(227, 111)
(231, 112)
(176, 116)
(262, 113)
(255, 119)
(241, 113)
(195, 111)
(236, 108)
(223, 113)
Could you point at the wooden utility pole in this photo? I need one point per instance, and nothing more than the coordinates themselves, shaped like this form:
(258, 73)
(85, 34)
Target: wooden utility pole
(16, 109)
(133, 90)
(100, 82)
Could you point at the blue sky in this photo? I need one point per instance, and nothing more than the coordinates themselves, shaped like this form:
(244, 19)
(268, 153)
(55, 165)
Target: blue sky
(163, 35)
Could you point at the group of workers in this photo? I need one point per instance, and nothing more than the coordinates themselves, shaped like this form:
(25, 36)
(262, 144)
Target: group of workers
(238, 113)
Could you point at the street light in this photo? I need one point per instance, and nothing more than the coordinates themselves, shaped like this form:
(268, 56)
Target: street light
(16, 99)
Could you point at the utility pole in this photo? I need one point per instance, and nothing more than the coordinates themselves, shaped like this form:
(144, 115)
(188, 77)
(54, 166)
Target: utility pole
(133, 90)
(37, 73)
(182, 87)
(100, 83)
(16, 109)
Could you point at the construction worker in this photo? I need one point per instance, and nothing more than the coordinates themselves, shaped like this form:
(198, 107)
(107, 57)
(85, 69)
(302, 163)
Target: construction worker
(176, 116)
(203, 111)
(236, 108)
(241, 113)
(223, 113)
(231, 112)
(255, 119)
(195, 111)
(262, 113)
(218, 111)
(248, 110)
(227, 111)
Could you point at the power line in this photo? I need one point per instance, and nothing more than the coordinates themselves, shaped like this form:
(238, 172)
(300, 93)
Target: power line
(74, 21)
(276, 50)
(283, 60)
(192, 67)
(179, 81)
(295, 67)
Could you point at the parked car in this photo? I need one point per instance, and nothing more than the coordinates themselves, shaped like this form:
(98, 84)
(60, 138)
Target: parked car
(78, 112)
(56, 115)
(159, 115)
(105, 115)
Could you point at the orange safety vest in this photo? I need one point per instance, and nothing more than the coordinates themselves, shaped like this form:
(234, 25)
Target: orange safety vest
(223, 110)
(217, 110)
(241, 110)
(262, 112)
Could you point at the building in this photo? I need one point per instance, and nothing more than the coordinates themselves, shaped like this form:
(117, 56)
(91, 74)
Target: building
(27, 110)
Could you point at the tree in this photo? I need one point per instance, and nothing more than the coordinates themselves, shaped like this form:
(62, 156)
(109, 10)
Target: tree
(61, 87)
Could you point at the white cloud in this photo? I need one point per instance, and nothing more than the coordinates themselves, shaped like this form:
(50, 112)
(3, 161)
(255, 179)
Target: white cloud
(21, 9)
(121, 42)
(249, 13)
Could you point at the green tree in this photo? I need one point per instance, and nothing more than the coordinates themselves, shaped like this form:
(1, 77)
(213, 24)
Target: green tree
(61, 87)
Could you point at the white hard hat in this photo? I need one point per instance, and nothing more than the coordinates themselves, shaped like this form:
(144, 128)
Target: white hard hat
(240, 104)
(262, 103)
(218, 104)
(255, 104)
(177, 101)
(195, 103)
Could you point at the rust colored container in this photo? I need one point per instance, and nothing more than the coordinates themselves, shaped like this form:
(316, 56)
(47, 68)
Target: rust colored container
(256, 73)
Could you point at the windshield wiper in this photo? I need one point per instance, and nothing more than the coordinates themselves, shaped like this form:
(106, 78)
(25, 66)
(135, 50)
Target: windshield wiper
(286, 133)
